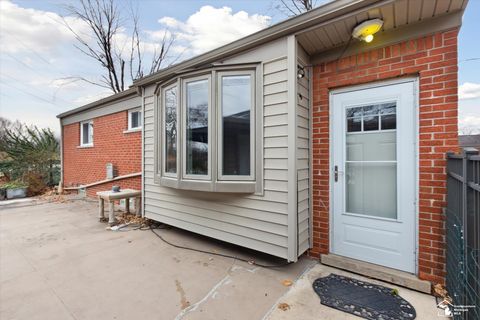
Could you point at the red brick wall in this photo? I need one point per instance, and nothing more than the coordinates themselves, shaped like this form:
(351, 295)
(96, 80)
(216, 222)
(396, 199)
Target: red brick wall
(110, 144)
(434, 60)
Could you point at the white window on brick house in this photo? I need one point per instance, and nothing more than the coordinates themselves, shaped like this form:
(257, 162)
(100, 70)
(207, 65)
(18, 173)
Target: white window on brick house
(134, 119)
(86, 133)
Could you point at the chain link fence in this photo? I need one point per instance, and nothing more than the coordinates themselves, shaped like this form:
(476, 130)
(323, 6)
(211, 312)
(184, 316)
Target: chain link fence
(463, 233)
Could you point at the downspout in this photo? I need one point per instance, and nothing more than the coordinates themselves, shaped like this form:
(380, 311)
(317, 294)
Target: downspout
(60, 183)
(141, 91)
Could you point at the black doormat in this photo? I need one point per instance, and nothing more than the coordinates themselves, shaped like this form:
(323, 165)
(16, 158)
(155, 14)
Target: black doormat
(362, 299)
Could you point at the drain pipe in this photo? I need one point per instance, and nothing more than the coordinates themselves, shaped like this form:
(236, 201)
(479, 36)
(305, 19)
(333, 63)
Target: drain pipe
(60, 183)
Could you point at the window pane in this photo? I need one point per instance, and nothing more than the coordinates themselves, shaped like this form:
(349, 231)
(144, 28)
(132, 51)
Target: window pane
(236, 108)
(389, 121)
(170, 104)
(135, 119)
(354, 112)
(375, 146)
(372, 189)
(388, 108)
(197, 127)
(370, 123)
(85, 133)
(354, 124)
(370, 110)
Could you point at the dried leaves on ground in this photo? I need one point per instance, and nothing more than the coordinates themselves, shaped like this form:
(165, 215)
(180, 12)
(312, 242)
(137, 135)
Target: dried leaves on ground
(283, 306)
(53, 196)
(128, 218)
(440, 291)
(287, 283)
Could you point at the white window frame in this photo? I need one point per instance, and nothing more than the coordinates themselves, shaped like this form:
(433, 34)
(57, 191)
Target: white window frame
(185, 81)
(130, 112)
(221, 176)
(162, 133)
(90, 136)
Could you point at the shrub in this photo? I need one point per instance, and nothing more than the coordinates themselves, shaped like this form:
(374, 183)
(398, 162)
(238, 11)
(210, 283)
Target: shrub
(30, 154)
(13, 185)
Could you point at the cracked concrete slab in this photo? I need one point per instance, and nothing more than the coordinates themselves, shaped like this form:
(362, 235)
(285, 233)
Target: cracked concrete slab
(58, 262)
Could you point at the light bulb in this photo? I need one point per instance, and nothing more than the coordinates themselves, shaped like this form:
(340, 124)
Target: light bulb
(368, 38)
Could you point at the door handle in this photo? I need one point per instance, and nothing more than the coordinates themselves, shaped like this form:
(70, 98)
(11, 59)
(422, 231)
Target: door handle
(335, 173)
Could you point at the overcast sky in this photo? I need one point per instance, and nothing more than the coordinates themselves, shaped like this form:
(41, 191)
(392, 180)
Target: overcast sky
(37, 51)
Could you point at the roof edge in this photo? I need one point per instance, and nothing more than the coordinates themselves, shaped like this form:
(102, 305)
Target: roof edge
(111, 98)
(325, 12)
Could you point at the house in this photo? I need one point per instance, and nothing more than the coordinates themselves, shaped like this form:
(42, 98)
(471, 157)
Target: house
(469, 140)
(301, 138)
(105, 133)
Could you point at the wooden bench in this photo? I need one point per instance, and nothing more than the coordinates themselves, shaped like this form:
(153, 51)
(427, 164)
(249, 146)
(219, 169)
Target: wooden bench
(111, 196)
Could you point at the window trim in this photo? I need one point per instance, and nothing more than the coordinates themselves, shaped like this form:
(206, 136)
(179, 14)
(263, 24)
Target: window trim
(90, 143)
(162, 135)
(185, 81)
(130, 128)
(219, 109)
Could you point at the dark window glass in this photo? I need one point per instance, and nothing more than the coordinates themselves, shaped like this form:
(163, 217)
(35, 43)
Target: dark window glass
(236, 108)
(370, 110)
(388, 108)
(135, 120)
(354, 112)
(389, 121)
(354, 124)
(170, 104)
(370, 123)
(197, 127)
(86, 133)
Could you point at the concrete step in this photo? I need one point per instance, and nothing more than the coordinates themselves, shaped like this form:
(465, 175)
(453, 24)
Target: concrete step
(374, 271)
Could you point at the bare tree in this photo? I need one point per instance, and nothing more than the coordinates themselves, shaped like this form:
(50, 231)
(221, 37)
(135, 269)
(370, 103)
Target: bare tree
(105, 22)
(295, 7)
(468, 130)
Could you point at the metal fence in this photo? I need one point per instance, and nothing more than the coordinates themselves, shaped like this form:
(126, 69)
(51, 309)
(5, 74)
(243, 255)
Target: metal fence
(463, 233)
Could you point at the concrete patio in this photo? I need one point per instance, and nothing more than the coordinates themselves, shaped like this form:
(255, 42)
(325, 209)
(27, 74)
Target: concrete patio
(58, 262)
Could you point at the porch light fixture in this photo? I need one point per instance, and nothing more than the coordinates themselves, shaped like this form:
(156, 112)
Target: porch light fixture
(300, 72)
(365, 30)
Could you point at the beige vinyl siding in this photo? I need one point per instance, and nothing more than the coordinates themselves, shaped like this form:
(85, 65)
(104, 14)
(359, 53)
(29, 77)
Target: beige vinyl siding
(257, 221)
(303, 160)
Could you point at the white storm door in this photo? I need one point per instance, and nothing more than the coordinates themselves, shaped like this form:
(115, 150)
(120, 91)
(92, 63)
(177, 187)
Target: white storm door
(373, 174)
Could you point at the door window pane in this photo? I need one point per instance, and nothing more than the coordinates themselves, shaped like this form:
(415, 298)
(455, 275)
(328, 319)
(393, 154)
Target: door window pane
(354, 124)
(389, 122)
(371, 161)
(236, 107)
(370, 123)
(170, 104)
(197, 127)
(372, 189)
(375, 146)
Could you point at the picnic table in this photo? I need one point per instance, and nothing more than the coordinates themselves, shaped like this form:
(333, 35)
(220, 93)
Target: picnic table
(111, 197)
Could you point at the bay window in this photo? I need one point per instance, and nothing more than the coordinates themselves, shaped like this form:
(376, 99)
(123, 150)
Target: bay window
(208, 132)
